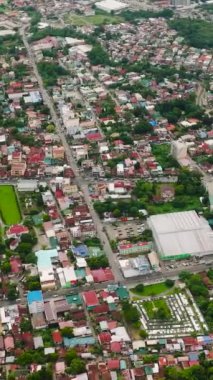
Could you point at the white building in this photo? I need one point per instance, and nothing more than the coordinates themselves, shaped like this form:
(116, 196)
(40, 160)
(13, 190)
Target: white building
(179, 150)
(111, 6)
(181, 234)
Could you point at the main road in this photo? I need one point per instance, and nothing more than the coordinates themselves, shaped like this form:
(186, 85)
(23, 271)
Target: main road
(70, 159)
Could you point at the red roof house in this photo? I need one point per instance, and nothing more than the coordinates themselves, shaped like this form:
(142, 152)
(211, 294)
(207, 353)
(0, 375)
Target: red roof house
(113, 364)
(16, 231)
(57, 338)
(90, 298)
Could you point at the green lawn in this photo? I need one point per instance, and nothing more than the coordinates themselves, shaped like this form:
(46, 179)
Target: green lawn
(153, 309)
(99, 19)
(9, 208)
(151, 290)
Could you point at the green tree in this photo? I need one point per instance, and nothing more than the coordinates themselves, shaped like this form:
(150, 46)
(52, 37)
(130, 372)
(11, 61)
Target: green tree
(169, 283)
(77, 366)
(12, 292)
(67, 332)
(5, 267)
(70, 355)
(25, 325)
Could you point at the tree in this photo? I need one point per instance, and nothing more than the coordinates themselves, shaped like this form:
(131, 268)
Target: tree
(11, 376)
(169, 283)
(77, 366)
(98, 262)
(44, 374)
(67, 332)
(5, 267)
(139, 288)
(50, 128)
(98, 56)
(70, 355)
(24, 248)
(12, 293)
(25, 325)
(130, 312)
(28, 238)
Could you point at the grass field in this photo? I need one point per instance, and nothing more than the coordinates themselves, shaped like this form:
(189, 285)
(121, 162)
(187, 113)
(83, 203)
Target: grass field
(151, 290)
(152, 308)
(99, 19)
(9, 208)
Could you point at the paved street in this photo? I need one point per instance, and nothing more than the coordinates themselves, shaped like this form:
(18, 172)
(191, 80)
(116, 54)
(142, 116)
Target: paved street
(79, 180)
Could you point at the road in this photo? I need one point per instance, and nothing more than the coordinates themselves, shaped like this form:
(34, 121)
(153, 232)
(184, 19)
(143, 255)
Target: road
(70, 159)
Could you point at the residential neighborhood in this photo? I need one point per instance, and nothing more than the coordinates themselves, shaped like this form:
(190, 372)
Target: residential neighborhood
(106, 190)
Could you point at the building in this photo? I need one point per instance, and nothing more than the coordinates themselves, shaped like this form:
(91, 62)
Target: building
(180, 235)
(179, 150)
(27, 185)
(45, 260)
(111, 6)
(134, 267)
(35, 302)
(131, 249)
(180, 3)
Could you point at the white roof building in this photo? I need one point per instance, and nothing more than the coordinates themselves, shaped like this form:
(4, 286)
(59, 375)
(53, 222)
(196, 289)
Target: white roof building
(111, 5)
(181, 233)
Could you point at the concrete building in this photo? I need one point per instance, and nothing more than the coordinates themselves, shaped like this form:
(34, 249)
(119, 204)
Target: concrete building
(180, 235)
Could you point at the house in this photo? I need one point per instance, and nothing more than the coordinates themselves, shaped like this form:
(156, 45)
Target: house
(35, 301)
(18, 169)
(57, 338)
(58, 152)
(15, 264)
(38, 342)
(9, 343)
(60, 367)
(16, 230)
(90, 299)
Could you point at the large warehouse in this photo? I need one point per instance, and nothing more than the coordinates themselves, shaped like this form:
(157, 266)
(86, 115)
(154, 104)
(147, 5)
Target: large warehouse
(181, 234)
(111, 6)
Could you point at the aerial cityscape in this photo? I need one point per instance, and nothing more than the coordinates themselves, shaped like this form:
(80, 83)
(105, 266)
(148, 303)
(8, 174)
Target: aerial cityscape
(106, 190)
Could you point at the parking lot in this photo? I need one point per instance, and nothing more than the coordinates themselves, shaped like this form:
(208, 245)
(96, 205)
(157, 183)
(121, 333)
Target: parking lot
(123, 231)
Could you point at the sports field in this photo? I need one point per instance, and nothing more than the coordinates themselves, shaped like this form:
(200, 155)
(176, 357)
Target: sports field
(98, 19)
(9, 208)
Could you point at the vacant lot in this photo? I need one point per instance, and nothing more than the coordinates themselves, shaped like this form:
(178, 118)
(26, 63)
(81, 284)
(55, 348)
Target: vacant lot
(98, 19)
(9, 207)
(151, 290)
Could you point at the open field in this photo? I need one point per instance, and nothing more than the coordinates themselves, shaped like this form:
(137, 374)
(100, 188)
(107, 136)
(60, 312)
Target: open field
(151, 290)
(99, 19)
(9, 208)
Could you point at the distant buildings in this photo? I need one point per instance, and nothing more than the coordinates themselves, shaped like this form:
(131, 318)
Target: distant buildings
(180, 3)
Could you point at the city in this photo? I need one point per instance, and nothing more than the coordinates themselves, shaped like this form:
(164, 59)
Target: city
(106, 190)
